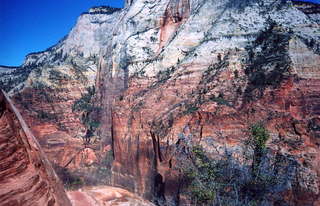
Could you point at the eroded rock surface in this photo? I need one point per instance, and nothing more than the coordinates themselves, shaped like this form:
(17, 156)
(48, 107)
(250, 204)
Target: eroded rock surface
(26, 176)
(172, 74)
(47, 85)
(105, 196)
(205, 80)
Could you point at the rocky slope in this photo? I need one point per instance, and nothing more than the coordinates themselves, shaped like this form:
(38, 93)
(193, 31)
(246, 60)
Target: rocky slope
(27, 177)
(171, 75)
(310, 9)
(47, 85)
(185, 73)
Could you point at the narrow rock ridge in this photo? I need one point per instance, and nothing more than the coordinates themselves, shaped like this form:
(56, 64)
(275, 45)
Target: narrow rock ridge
(128, 3)
(310, 9)
(26, 176)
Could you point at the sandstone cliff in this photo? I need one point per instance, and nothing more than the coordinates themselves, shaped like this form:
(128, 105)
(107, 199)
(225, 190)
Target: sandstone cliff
(171, 75)
(185, 73)
(47, 85)
(27, 177)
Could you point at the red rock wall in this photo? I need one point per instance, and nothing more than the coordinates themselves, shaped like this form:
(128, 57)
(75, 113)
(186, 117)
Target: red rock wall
(177, 12)
(48, 112)
(145, 136)
(26, 176)
(214, 110)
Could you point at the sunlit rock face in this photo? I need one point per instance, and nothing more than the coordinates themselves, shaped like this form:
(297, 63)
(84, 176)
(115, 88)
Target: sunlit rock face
(105, 196)
(26, 176)
(202, 72)
(171, 74)
(48, 83)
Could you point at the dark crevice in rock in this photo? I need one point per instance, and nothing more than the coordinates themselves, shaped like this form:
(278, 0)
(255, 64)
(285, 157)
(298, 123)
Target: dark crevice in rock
(159, 189)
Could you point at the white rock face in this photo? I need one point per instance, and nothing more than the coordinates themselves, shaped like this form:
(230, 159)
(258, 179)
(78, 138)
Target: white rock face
(150, 36)
(6, 70)
(90, 35)
(79, 49)
(108, 46)
(304, 60)
(212, 27)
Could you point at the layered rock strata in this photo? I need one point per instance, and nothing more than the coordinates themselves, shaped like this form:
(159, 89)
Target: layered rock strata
(173, 74)
(47, 85)
(26, 176)
(201, 73)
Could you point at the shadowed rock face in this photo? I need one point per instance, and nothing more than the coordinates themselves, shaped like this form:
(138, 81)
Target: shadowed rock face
(26, 176)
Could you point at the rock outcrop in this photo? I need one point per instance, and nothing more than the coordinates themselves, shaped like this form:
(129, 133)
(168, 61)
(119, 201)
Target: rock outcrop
(201, 73)
(170, 75)
(26, 176)
(47, 85)
(105, 196)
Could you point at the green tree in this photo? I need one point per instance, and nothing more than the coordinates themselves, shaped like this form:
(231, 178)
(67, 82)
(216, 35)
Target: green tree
(201, 174)
(259, 137)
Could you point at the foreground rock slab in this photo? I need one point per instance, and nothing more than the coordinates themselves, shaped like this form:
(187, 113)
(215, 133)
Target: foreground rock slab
(26, 176)
(105, 196)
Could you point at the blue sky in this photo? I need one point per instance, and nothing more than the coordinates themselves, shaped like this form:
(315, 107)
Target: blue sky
(34, 25)
(314, 1)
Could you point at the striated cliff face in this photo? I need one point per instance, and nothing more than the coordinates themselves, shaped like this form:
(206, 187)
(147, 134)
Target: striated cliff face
(47, 85)
(171, 75)
(310, 9)
(185, 73)
(27, 177)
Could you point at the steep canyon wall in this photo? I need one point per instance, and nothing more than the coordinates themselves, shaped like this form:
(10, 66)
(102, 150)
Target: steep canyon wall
(173, 74)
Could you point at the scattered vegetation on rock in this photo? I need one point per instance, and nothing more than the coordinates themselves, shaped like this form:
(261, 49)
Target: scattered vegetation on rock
(89, 111)
(226, 181)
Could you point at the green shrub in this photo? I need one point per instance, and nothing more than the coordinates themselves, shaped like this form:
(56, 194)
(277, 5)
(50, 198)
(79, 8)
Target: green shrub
(227, 181)
(220, 100)
(259, 137)
(84, 103)
(202, 177)
(70, 180)
(164, 75)
(190, 109)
